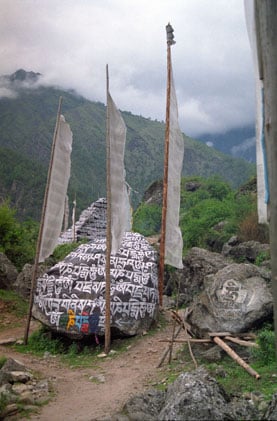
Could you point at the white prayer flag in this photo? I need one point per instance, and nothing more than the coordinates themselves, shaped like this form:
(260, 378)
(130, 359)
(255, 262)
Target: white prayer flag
(262, 188)
(119, 195)
(173, 235)
(58, 183)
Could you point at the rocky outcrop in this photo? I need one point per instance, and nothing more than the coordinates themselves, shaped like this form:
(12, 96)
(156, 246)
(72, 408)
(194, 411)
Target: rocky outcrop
(20, 389)
(193, 396)
(70, 297)
(8, 273)
(235, 299)
(198, 263)
(271, 412)
(24, 280)
(245, 251)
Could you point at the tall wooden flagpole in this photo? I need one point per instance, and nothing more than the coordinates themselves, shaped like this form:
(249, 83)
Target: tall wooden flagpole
(38, 247)
(108, 234)
(170, 41)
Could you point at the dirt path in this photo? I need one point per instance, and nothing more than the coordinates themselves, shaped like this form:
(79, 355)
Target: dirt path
(124, 374)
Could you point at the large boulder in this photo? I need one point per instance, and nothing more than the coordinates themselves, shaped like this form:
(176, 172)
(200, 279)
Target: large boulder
(198, 263)
(70, 297)
(8, 273)
(24, 279)
(235, 299)
(192, 396)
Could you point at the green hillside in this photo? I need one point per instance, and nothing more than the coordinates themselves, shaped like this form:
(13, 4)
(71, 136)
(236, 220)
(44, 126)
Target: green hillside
(27, 124)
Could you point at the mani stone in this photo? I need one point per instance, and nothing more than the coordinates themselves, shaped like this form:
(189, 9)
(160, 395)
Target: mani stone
(70, 297)
(235, 299)
(91, 224)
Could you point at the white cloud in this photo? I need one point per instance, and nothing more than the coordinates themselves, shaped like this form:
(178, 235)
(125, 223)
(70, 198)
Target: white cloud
(70, 42)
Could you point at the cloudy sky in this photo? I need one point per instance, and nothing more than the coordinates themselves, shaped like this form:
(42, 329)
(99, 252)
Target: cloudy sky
(70, 42)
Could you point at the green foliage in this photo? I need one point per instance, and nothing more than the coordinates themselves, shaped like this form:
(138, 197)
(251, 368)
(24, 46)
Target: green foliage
(17, 305)
(210, 202)
(73, 350)
(266, 352)
(27, 125)
(199, 220)
(2, 361)
(262, 257)
(8, 227)
(40, 342)
(147, 219)
(3, 402)
(63, 250)
(236, 380)
(18, 241)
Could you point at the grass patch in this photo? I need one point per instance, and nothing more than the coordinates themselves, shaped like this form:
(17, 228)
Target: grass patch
(237, 381)
(17, 304)
(2, 361)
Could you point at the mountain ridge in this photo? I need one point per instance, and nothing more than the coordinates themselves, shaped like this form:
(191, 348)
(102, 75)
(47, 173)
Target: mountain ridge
(26, 128)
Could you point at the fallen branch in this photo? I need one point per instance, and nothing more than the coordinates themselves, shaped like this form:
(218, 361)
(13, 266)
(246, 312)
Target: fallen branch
(241, 342)
(236, 357)
(187, 340)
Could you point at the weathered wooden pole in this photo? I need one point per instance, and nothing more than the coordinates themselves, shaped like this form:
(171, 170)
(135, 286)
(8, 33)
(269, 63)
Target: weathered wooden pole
(108, 234)
(266, 28)
(170, 42)
(39, 241)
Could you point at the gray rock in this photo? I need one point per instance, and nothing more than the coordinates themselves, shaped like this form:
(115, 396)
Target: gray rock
(247, 251)
(193, 396)
(20, 389)
(235, 299)
(271, 412)
(213, 354)
(8, 272)
(24, 279)
(20, 376)
(13, 365)
(198, 263)
(146, 406)
(70, 297)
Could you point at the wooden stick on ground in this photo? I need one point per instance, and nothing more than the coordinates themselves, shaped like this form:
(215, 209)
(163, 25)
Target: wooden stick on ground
(192, 340)
(168, 348)
(241, 342)
(236, 357)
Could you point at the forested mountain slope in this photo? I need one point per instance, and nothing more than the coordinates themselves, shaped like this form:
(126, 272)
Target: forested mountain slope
(27, 121)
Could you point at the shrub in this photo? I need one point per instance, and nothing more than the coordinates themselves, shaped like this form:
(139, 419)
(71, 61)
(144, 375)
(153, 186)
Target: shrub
(266, 352)
(18, 241)
(250, 229)
(63, 250)
(40, 342)
(147, 219)
(263, 256)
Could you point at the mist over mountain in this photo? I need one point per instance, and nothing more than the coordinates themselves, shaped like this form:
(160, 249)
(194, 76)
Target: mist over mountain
(240, 143)
(27, 119)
